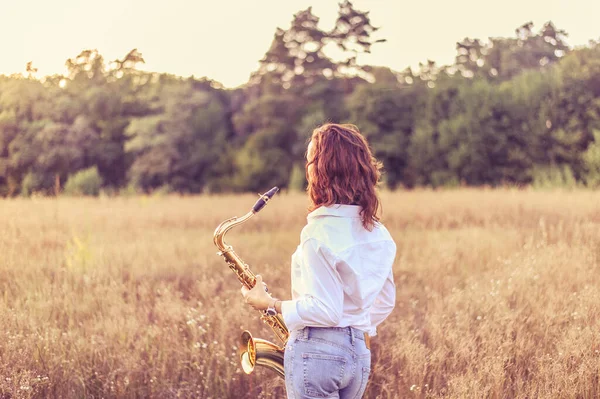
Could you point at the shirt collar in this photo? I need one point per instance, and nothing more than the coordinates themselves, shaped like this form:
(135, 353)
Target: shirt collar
(337, 210)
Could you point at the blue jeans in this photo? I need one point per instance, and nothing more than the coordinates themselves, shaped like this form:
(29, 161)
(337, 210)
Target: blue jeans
(332, 362)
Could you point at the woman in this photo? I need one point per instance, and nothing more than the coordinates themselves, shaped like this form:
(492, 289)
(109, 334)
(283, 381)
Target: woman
(342, 282)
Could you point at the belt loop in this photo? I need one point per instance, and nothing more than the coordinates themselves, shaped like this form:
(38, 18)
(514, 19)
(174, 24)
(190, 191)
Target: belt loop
(306, 333)
(351, 335)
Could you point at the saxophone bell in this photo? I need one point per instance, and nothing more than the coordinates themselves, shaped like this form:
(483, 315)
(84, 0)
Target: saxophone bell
(256, 351)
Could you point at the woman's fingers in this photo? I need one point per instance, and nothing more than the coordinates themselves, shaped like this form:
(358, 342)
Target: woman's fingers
(257, 295)
(259, 281)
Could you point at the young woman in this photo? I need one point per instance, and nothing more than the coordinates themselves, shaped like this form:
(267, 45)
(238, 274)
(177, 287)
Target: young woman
(342, 282)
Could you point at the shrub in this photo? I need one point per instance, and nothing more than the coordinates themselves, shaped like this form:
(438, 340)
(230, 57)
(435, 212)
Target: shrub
(32, 182)
(555, 176)
(84, 182)
(591, 158)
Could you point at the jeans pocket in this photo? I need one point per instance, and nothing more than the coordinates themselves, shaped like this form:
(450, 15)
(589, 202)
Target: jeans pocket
(322, 374)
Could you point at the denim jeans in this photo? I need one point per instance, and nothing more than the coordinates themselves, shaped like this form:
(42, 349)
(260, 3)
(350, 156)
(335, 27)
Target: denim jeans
(332, 362)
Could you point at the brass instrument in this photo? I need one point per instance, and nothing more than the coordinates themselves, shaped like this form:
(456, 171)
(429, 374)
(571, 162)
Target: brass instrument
(254, 351)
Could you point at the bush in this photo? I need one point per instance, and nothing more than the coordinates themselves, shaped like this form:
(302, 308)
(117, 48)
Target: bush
(84, 182)
(131, 190)
(554, 176)
(31, 183)
(162, 191)
(591, 158)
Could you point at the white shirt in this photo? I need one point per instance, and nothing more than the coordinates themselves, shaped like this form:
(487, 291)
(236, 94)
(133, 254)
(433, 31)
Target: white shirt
(341, 273)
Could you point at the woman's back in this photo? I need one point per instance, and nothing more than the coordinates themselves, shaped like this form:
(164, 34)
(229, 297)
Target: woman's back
(361, 260)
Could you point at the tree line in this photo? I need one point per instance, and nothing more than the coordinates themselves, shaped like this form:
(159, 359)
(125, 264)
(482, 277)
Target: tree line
(519, 110)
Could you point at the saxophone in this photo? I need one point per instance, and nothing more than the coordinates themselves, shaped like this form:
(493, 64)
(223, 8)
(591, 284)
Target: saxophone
(253, 351)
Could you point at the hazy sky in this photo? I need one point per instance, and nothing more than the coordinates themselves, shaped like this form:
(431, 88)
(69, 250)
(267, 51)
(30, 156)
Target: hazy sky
(224, 39)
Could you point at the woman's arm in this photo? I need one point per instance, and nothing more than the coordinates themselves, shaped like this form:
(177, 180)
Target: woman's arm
(384, 304)
(321, 302)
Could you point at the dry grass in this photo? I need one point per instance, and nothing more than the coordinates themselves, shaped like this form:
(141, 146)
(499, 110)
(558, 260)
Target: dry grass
(497, 296)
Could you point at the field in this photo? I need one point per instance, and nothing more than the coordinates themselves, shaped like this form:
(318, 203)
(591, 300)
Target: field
(497, 295)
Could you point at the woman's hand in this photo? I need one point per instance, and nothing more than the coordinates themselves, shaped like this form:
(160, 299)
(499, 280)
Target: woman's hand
(257, 297)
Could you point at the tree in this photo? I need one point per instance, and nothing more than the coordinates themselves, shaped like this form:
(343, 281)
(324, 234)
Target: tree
(386, 113)
(181, 144)
(297, 74)
(297, 56)
(105, 97)
(504, 58)
(517, 110)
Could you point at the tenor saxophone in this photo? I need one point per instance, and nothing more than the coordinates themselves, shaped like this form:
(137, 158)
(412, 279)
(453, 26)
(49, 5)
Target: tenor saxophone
(253, 351)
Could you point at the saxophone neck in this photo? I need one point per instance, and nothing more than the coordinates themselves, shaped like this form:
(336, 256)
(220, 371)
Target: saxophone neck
(224, 227)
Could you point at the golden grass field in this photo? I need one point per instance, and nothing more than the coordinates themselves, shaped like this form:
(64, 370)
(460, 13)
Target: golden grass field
(497, 295)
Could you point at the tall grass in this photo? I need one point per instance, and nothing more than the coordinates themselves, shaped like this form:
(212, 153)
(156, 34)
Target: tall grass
(497, 295)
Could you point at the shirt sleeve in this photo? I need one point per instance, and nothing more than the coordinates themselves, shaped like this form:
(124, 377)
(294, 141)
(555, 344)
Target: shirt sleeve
(384, 304)
(321, 304)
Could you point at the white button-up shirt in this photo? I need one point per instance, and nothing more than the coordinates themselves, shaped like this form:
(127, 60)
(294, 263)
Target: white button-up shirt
(341, 273)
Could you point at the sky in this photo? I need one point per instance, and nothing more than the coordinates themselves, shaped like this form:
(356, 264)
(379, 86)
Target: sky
(225, 39)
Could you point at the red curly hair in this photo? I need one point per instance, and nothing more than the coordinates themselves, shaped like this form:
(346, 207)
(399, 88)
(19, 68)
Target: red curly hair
(341, 169)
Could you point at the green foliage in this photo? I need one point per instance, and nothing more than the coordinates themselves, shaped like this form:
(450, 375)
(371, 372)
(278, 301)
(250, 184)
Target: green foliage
(297, 59)
(591, 159)
(519, 110)
(163, 191)
(260, 164)
(555, 176)
(31, 183)
(386, 113)
(505, 58)
(84, 182)
(181, 145)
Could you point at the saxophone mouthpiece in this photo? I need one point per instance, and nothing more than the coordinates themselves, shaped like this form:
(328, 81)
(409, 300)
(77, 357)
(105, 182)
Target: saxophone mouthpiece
(264, 198)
